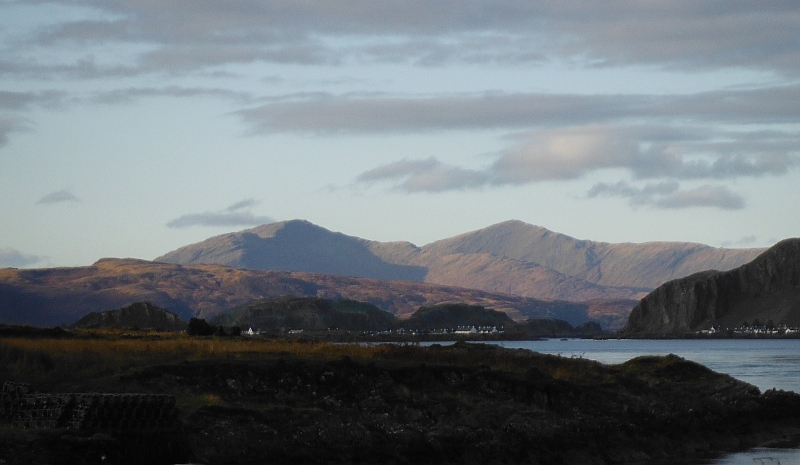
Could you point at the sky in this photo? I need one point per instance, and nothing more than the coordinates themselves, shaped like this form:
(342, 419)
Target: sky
(129, 128)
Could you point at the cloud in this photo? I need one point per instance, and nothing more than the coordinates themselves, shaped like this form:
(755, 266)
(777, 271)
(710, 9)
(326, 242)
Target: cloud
(646, 152)
(705, 196)
(15, 100)
(134, 93)
(246, 203)
(429, 175)
(678, 34)
(668, 195)
(64, 195)
(13, 258)
(329, 114)
(566, 154)
(230, 216)
(326, 113)
(9, 125)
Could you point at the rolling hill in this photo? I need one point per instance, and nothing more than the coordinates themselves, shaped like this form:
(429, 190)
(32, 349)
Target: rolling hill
(57, 296)
(143, 315)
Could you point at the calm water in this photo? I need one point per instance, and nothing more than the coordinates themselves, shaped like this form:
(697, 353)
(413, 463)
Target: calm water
(767, 364)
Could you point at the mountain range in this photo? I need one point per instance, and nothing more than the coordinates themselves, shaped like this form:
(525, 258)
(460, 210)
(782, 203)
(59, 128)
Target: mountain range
(523, 270)
(511, 257)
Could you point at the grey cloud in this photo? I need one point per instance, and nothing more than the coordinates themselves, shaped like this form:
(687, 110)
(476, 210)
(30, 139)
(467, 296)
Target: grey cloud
(644, 151)
(429, 175)
(9, 125)
(647, 152)
(84, 68)
(667, 195)
(233, 215)
(705, 196)
(63, 195)
(23, 100)
(682, 34)
(13, 258)
(637, 196)
(331, 114)
(385, 114)
(246, 203)
(133, 93)
(15, 100)
(399, 169)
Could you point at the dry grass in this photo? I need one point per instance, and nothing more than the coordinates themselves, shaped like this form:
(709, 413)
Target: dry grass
(68, 364)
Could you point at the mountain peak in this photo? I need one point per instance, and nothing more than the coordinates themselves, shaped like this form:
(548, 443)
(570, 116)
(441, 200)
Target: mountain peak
(295, 226)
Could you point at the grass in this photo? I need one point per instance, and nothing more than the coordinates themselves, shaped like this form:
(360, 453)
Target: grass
(94, 360)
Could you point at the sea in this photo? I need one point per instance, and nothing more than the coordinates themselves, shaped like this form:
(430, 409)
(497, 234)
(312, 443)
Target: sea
(764, 363)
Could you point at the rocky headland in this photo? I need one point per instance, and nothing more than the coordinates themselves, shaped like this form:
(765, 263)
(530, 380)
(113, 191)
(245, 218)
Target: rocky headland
(765, 289)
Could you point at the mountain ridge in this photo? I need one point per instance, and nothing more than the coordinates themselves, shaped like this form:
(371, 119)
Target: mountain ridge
(509, 257)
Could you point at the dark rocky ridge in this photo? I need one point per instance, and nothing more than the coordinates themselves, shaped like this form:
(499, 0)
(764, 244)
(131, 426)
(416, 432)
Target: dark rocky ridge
(767, 288)
(405, 404)
(408, 407)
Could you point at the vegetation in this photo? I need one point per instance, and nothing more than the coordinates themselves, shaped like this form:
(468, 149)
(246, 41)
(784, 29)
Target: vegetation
(309, 313)
(97, 358)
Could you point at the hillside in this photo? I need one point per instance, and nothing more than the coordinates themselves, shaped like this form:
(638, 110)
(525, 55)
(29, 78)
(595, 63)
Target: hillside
(453, 316)
(308, 313)
(294, 246)
(767, 288)
(510, 257)
(645, 265)
(57, 296)
(142, 315)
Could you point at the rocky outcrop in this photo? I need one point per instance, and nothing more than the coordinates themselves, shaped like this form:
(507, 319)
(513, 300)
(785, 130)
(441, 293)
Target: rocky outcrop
(472, 403)
(768, 288)
(142, 315)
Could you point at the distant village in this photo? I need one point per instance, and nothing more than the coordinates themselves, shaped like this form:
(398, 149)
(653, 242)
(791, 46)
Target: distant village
(458, 331)
(756, 329)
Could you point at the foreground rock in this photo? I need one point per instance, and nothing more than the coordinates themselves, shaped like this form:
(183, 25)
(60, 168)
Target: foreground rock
(462, 404)
(449, 406)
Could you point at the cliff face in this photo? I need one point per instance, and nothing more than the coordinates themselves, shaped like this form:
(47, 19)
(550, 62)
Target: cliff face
(768, 288)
